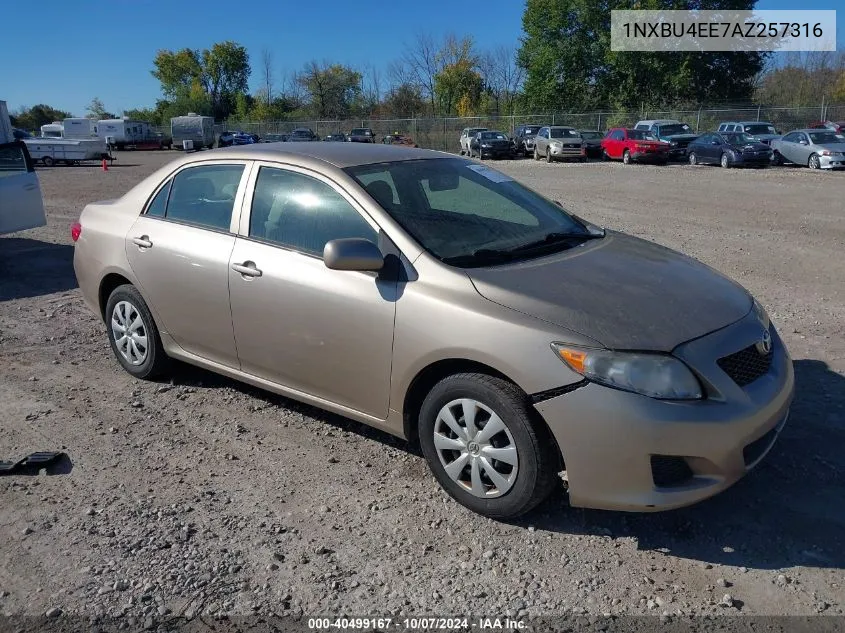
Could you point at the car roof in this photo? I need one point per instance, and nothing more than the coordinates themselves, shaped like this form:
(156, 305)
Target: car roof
(340, 155)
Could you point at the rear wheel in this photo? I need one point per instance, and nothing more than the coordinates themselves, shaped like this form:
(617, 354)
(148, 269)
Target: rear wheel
(693, 159)
(483, 446)
(777, 159)
(626, 157)
(605, 155)
(133, 334)
(48, 161)
(814, 162)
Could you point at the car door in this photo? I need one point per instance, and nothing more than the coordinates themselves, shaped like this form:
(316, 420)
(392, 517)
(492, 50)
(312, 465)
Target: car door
(21, 204)
(803, 149)
(326, 333)
(179, 249)
(705, 148)
(541, 141)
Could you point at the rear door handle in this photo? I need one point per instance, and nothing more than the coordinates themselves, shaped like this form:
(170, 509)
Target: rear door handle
(247, 269)
(143, 241)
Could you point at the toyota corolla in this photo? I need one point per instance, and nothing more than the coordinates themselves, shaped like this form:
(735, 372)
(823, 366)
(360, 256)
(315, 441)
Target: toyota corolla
(444, 302)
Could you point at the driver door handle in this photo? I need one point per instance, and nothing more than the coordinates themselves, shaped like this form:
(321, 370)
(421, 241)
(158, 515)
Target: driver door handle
(142, 242)
(247, 269)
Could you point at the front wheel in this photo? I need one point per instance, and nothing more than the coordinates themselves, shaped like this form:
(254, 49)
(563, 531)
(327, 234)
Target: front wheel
(814, 162)
(133, 334)
(725, 161)
(693, 159)
(484, 447)
(626, 157)
(548, 155)
(536, 153)
(777, 159)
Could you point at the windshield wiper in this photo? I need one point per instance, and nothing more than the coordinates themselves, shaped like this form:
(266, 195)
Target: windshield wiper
(551, 239)
(479, 257)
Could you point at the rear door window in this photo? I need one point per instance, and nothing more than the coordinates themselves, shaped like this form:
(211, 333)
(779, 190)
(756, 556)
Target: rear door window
(204, 196)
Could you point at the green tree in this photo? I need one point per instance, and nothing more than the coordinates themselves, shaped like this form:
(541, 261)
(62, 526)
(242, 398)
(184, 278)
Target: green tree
(145, 114)
(566, 54)
(332, 89)
(404, 101)
(97, 111)
(36, 116)
(206, 81)
(458, 88)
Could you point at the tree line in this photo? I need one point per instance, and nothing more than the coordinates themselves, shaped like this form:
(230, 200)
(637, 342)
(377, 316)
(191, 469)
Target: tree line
(563, 63)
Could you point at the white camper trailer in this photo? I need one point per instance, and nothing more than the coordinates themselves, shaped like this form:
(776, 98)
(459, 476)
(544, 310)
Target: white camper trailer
(50, 151)
(193, 127)
(79, 128)
(20, 191)
(125, 132)
(56, 129)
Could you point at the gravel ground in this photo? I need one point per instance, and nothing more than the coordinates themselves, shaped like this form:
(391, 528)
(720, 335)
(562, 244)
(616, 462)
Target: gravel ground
(203, 496)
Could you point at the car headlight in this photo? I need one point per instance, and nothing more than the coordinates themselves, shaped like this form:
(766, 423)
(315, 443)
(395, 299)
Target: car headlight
(485, 145)
(655, 375)
(674, 143)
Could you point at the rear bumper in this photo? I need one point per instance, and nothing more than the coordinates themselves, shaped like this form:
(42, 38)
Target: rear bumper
(618, 445)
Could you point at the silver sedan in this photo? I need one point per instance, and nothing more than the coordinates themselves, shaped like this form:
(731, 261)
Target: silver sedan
(817, 149)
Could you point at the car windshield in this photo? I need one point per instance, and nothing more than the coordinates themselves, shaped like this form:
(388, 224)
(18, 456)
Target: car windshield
(589, 134)
(738, 138)
(760, 128)
(532, 131)
(562, 132)
(491, 136)
(676, 128)
(467, 214)
(641, 135)
(820, 138)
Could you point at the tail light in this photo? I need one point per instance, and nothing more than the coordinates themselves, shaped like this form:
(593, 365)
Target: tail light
(75, 231)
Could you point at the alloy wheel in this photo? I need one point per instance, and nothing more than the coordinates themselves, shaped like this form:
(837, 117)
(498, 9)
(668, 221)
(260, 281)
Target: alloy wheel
(476, 448)
(129, 332)
(814, 162)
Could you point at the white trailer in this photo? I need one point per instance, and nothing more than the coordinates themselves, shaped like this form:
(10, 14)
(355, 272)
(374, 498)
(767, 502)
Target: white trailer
(193, 127)
(56, 129)
(50, 151)
(130, 133)
(79, 128)
(21, 205)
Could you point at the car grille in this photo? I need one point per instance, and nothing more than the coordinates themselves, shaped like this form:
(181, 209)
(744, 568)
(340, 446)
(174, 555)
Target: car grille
(572, 145)
(746, 365)
(756, 449)
(668, 471)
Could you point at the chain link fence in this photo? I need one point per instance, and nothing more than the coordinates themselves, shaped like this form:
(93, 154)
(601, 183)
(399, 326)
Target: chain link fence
(443, 133)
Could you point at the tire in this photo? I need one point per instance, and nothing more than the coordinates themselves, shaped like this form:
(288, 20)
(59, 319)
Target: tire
(48, 161)
(813, 162)
(693, 159)
(125, 300)
(604, 155)
(777, 159)
(724, 161)
(536, 153)
(536, 458)
(626, 157)
(548, 155)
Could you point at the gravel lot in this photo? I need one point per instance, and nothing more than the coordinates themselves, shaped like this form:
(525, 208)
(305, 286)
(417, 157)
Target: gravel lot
(205, 496)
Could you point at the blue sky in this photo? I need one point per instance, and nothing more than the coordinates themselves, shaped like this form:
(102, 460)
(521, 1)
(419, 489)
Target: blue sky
(66, 55)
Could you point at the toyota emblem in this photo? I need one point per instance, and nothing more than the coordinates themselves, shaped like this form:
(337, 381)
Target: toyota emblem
(764, 346)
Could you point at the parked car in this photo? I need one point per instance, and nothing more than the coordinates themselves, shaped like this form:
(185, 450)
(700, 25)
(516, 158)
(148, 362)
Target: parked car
(20, 191)
(302, 134)
(274, 138)
(835, 126)
(362, 135)
(467, 134)
(338, 137)
(729, 149)
(592, 142)
(634, 146)
(398, 139)
(679, 135)
(228, 139)
(444, 302)
(762, 131)
(523, 139)
(20, 134)
(491, 144)
(818, 149)
(558, 142)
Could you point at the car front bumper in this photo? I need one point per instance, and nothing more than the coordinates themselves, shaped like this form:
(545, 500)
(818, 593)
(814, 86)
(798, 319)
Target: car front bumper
(832, 162)
(566, 152)
(616, 444)
(678, 152)
(751, 160)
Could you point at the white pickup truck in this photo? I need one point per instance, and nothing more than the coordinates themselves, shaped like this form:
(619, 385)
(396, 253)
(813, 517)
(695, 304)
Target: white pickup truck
(21, 205)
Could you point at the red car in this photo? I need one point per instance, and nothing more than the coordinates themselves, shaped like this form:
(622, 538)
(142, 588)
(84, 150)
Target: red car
(634, 146)
(836, 126)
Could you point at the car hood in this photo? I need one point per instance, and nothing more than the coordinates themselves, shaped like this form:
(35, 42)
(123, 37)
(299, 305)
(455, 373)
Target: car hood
(680, 137)
(624, 292)
(833, 147)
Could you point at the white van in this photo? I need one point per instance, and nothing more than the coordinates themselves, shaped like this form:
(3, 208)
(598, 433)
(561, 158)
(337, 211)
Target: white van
(21, 205)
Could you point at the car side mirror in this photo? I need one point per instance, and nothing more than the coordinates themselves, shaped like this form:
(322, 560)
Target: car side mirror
(352, 253)
(714, 142)
(803, 142)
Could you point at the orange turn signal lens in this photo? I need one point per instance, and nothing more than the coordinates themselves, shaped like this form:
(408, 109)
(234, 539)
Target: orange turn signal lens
(574, 358)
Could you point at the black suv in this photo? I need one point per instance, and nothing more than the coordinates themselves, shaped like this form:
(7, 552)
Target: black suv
(523, 139)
